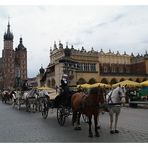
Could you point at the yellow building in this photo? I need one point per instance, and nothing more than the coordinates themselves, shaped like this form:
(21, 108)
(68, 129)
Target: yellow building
(92, 66)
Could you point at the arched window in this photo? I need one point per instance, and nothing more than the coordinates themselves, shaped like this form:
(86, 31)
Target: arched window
(81, 81)
(104, 80)
(92, 81)
(113, 81)
(137, 80)
(122, 79)
(144, 79)
(130, 79)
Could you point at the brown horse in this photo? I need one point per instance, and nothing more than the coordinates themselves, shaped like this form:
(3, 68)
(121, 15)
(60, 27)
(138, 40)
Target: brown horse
(88, 105)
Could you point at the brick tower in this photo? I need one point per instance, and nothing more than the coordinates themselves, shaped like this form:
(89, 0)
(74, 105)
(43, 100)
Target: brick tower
(21, 61)
(8, 58)
(14, 62)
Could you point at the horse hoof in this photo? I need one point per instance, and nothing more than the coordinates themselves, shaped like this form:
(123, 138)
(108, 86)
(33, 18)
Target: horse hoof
(76, 128)
(112, 132)
(97, 135)
(90, 135)
(79, 128)
(116, 131)
(98, 127)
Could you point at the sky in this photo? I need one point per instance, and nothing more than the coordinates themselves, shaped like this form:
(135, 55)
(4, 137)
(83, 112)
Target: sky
(115, 27)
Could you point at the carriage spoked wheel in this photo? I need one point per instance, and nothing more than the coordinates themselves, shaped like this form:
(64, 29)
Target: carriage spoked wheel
(44, 110)
(61, 115)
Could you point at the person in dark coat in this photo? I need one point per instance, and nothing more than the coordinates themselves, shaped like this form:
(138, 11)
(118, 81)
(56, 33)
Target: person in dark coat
(65, 92)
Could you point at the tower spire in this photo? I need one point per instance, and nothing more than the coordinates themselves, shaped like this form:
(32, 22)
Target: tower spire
(8, 35)
(8, 26)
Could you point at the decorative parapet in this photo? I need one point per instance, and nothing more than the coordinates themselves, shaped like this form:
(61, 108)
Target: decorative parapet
(93, 53)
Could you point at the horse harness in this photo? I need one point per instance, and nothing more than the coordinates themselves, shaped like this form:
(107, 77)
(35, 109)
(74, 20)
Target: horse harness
(110, 100)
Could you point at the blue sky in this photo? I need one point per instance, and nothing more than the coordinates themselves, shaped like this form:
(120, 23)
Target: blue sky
(122, 28)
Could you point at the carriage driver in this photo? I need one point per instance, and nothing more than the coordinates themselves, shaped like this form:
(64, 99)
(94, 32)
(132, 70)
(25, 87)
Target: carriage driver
(65, 92)
(64, 85)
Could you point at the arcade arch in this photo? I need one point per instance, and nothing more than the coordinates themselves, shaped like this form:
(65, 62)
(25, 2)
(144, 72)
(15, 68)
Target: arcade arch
(104, 80)
(92, 81)
(81, 81)
(113, 81)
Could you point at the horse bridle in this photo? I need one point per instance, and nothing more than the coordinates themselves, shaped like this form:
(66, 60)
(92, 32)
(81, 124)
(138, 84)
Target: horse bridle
(121, 96)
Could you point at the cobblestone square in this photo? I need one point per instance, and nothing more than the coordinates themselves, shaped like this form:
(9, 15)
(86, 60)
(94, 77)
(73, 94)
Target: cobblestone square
(21, 126)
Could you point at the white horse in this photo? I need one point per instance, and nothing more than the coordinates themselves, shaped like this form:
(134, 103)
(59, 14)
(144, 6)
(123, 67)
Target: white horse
(43, 99)
(30, 98)
(114, 99)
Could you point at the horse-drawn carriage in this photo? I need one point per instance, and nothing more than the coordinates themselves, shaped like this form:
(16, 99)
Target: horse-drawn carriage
(71, 102)
(27, 98)
(61, 102)
(6, 96)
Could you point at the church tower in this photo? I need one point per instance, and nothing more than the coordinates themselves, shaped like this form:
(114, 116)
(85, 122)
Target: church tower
(8, 58)
(14, 62)
(21, 61)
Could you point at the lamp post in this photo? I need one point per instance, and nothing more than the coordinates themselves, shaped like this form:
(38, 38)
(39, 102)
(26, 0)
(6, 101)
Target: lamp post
(69, 64)
(18, 78)
(69, 67)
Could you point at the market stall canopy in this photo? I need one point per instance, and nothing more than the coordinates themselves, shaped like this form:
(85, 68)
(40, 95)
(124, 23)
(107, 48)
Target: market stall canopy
(145, 83)
(94, 85)
(103, 85)
(84, 85)
(128, 83)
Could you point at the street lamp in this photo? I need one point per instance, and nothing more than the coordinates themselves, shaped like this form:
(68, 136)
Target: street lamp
(69, 67)
(18, 77)
(69, 64)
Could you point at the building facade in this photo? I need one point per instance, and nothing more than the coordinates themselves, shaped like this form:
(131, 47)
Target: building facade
(13, 63)
(92, 66)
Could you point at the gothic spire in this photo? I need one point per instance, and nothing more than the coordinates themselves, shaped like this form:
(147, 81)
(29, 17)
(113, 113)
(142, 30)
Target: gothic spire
(8, 35)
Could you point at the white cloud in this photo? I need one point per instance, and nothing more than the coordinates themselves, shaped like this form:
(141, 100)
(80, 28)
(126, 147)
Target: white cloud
(122, 28)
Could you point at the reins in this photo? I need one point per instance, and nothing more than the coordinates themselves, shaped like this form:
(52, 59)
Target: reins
(110, 98)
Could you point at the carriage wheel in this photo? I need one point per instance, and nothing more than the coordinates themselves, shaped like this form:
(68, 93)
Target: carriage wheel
(85, 118)
(61, 115)
(44, 110)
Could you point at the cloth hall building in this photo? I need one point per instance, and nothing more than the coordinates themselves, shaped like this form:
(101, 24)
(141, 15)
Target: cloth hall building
(83, 66)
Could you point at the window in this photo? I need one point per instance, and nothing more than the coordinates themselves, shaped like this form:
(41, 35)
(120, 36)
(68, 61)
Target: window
(87, 67)
(92, 67)
(121, 70)
(105, 69)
